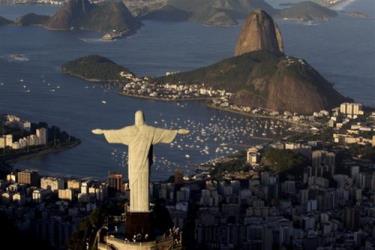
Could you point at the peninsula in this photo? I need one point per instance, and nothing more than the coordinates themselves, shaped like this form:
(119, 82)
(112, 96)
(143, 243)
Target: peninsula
(22, 139)
(260, 75)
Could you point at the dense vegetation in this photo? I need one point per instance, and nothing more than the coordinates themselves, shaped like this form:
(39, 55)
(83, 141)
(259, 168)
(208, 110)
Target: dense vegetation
(106, 16)
(15, 239)
(4, 21)
(364, 152)
(233, 74)
(109, 16)
(94, 68)
(85, 235)
(268, 80)
(32, 19)
(235, 163)
(280, 161)
(324, 134)
(307, 11)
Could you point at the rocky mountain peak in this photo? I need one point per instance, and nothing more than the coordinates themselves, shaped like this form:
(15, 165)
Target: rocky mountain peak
(259, 32)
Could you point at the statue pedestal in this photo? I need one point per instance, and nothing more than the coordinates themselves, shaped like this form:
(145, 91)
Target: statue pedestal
(138, 225)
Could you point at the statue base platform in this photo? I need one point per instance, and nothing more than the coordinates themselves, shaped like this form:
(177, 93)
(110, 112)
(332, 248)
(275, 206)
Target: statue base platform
(138, 226)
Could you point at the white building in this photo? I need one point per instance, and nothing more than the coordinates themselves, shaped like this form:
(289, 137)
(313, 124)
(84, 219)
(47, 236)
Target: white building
(51, 183)
(253, 156)
(6, 141)
(66, 194)
(351, 109)
(12, 177)
(41, 134)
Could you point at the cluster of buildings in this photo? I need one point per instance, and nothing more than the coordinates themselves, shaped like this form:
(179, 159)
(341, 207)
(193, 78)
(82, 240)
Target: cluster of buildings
(331, 3)
(352, 125)
(53, 2)
(23, 130)
(144, 87)
(37, 139)
(224, 103)
(331, 205)
(50, 208)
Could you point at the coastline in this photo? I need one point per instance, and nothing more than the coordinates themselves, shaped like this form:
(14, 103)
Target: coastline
(205, 99)
(253, 115)
(198, 99)
(36, 152)
(93, 80)
(189, 99)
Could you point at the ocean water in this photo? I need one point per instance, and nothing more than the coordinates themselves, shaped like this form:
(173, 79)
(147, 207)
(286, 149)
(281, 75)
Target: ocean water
(343, 50)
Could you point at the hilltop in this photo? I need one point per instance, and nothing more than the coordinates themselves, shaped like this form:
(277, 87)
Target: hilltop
(261, 75)
(94, 68)
(259, 32)
(268, 80)
(4, 21)
(102, 17)
(306, 11)
(32, 19)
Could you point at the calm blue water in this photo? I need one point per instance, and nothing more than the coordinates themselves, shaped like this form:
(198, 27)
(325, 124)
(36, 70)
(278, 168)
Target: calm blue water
(343, 50)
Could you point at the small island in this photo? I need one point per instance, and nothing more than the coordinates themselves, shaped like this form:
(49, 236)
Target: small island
(4, 21)
(32, 19)
(95, 68)
(110, 18)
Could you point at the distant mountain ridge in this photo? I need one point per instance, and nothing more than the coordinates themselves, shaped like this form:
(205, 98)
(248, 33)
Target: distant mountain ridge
(221, 12)
(4, 21)
(306, 11)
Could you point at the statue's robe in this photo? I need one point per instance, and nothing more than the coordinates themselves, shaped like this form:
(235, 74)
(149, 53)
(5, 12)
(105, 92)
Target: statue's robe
(139, 139)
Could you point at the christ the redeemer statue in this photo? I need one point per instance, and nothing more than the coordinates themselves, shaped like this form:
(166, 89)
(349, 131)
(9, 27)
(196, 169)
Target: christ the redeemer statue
(139, 137)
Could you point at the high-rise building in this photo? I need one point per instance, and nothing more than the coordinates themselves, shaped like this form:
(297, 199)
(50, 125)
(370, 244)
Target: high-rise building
(84, 188)
(115, 182)
(6, 141)
(253, 156)
(351, 218)
(323, 162)
(11, 177)
(29, 177)
(73, 184)
(51, 183)
(351, 109)
(65, 194)
(41, 134)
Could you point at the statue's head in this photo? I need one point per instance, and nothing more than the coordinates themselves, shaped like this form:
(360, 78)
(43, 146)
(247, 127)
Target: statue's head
(139, 118)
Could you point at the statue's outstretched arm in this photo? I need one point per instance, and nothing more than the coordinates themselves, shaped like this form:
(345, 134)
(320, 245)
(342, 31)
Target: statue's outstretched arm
(183, 131)
(116, 136)
(98, 131)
